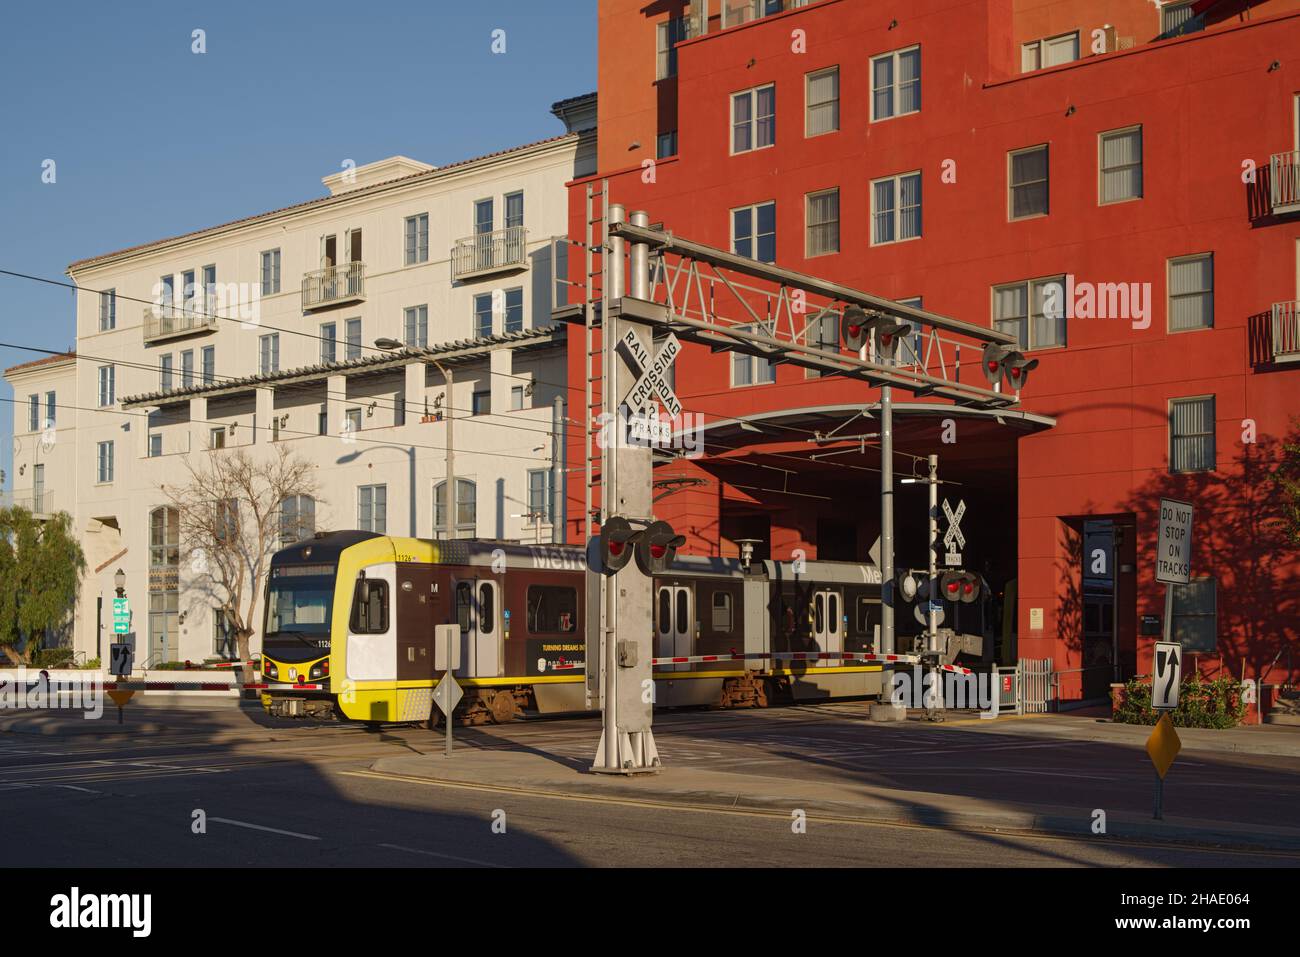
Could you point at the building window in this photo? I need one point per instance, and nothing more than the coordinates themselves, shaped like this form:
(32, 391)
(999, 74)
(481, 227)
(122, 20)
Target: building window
(753, 232)
(104, 463)
(751, 370)
(481, 403)
(516, 398)
(1191, 434)
(1027, 176)
(722, 618)
(1032, 311)
(669, 33)
(822, 92)
(539, 495)
(483, 315)
(1191, 293)
(51, 408)
(1120, 161)
(165, 368)
(823, 333)
(217, 437)
(209, 364)
(416, 321)
(107, 310)
(514, 310)
(417, 239)
(352, 421)
(297, 519)
(107, 385)
(372, 508)
(753, 119)
(399, 409)
(155, 445)
(823, 223)
(270, 272)
(210, 290)
(896, 208)
(33, 413)
(1194, 623)
(164, 538)
(270, 354)
(323, 421)
(1050, 51)
(1174, 15)
(224, 645)
(896, 83)
(466, 509)
(666, 144)
(352, 329)
(187, 368)
(514, 210)
(329, 342)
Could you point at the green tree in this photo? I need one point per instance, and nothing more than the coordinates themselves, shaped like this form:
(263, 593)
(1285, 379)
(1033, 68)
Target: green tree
(1287, 481)
(41, 564)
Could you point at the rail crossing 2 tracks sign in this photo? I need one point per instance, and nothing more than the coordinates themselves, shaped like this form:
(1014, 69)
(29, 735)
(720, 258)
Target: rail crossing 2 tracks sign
(651, 388)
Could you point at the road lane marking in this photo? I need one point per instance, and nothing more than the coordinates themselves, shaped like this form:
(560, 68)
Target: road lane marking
(445, 857)
(262, 827)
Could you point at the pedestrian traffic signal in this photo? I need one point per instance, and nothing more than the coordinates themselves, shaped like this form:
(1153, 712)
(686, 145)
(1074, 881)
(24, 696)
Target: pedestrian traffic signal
(617, 543)
(656, 547)
(1004, 362)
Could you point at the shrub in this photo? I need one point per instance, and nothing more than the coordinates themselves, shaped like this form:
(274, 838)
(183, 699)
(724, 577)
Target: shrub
(52, 657)
(93, 664)
(1201, 703)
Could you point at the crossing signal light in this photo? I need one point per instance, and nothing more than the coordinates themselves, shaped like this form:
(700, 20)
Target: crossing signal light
(960, 586)
(617, 543)
(656, 547)
(1004, 362)
(853, 328)
(856, 328)
(910, 585)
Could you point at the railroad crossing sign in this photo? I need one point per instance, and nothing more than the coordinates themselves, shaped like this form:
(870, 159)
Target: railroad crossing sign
(1174, 543)
(121, 616)
(652, 373)
(1166, 673)
(953, 539)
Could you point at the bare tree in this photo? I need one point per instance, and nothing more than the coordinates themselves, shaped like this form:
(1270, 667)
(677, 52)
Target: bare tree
(229, 512)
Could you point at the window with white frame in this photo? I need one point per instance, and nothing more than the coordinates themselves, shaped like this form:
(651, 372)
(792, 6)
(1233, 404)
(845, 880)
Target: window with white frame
(1191, 292)
(270, 353)
(668, 33)
(107, 310)
(1049, 51)
(417, 239)
(329, 342)
(352, 348)
(1027, 182)
(1119, 160)
(466, 516)
(297, 519)
(104, 463)
(270, 272)
(1174, 15)
(823, 219)
(51, 409)
(516, 398)
(165, 367)
(372, 508)
(1194, 619)
(217, 437)
(514, 213)
(823, 333)
(34, 413)
(514, 303)
(209, 364)
(751, 370)
(187, 368)
(1033, 311)
(666, 144)
(481, 402)
(107, 385)
(1191, 434)
(416, 325)
(822, 93)
(539, 496)
(352, 421)
(896, 208)
(483, 315)
(753, 232)
(155, 445)
(753, 119)
(896, 83)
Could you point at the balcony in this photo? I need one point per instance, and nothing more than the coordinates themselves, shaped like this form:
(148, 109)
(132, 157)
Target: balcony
(502, 250)
(1286, 332)
(40, 504)
(166, 321)
(333, 286)
(1284, 181)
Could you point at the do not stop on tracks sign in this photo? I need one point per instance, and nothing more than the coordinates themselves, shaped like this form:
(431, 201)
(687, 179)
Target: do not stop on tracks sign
(1174, 543)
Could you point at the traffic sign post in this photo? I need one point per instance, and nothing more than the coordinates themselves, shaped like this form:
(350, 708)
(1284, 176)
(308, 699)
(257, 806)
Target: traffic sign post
(448, 692)
(1163, 745)
(121, 616)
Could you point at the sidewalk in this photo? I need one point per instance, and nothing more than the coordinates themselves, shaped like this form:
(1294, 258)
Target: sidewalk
(536, 773)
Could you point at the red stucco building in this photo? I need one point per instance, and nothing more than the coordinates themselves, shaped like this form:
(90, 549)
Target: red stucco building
(969, 154)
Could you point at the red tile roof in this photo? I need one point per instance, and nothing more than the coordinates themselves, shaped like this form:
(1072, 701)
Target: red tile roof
(44, 360)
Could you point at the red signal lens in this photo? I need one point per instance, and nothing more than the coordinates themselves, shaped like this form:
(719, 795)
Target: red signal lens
(1014, 373)
(658, 551)
(967, 588)
(952, 588)
(616, 547)
(886, 339)
(993, 366)
(855, 331)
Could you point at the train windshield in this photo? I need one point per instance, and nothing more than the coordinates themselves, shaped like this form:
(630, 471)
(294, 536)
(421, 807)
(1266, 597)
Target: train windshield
(299, 603)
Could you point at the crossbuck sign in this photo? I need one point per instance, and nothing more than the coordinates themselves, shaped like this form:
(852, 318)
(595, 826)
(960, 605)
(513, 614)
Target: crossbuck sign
(652, 380)
(953, 539)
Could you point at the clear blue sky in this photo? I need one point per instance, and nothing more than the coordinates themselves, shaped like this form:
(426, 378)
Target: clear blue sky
(151, 140)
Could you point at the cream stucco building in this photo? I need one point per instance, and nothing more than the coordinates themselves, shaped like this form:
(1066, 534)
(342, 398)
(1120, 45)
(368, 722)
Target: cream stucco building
(262, 333)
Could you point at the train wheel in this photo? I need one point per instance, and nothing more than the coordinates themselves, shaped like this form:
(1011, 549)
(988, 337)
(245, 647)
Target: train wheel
(503, 707)
(760, 694)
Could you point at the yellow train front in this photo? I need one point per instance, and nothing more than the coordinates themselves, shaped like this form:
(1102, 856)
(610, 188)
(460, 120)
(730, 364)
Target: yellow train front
(353, 624)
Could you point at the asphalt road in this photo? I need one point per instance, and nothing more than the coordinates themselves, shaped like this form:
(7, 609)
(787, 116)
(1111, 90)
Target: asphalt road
(290, 793)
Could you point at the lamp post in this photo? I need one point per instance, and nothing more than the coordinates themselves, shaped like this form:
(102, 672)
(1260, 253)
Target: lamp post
(119, 582)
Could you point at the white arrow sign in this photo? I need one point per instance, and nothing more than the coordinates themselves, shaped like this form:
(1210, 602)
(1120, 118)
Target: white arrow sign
(1166, 673)
(652, 372)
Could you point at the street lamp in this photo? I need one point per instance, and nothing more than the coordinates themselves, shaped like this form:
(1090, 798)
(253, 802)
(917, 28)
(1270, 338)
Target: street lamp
(388, 345)
(119, 582)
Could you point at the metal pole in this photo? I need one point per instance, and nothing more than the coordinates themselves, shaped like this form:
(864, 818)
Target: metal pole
(447, 714)
(613, 289)
(449, 498)
(887, 519)
(931, 586)
(558, 473)
(1160, 798)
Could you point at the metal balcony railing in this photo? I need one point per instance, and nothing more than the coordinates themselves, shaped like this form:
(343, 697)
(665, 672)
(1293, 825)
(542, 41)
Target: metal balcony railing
(38, 503)
(345, 282)
(1286, 332)
(1284, 181)
(164, 320)
(484, 253)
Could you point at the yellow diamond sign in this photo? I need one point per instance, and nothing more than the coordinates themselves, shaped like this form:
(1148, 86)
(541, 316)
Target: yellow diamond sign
(120, 698)
(1163, 745)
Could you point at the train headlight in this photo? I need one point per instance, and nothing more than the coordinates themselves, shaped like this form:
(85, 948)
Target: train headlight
(270, 669)
(319, 670)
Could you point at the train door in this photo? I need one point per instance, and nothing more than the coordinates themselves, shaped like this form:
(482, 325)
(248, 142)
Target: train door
(828, 625)
(478, 610)
(674, 619)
